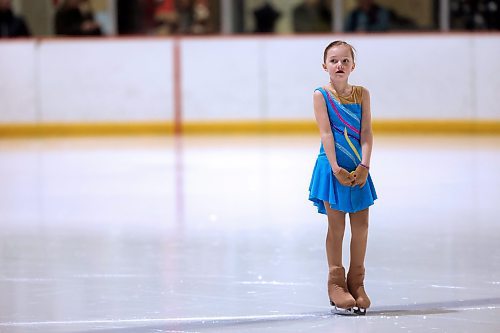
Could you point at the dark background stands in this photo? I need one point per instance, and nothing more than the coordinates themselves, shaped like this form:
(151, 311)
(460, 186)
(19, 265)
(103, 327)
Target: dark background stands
(135, 17)
(312, 16)
(183, 17)
(11, 25)
(265, 18)
(475, 15)
(75, 18)
(128, 20)
(368, 17)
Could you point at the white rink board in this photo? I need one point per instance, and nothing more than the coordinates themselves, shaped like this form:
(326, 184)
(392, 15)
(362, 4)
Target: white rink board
(293, 71)
(106, 81)
(410, 76)
(486, 79)
(221, 79)
(18, 95)
(417, 77)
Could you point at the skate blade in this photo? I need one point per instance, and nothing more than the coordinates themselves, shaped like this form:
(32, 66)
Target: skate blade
(359, 311)
(341, 311)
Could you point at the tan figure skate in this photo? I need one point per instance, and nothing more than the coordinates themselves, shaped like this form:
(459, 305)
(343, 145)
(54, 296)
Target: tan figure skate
(355, 285)
(340, 298)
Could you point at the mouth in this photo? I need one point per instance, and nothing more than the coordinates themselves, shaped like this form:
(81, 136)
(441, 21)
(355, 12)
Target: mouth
(340, 72)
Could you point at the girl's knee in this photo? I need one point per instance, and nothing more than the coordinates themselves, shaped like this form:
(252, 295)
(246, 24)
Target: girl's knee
(359, 225)
(359, 220)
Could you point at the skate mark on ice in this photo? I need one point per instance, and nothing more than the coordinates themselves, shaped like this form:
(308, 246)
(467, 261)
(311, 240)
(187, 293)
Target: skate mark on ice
(434, 307)
(189, 324)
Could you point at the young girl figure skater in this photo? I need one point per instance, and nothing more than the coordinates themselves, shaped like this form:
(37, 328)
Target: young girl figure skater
(340, 181)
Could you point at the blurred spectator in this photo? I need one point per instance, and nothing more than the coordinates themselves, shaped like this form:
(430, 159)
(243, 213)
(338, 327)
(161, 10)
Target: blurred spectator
(166, 17)
(11, 25)
(135, 16)
(312, 16)
(201, 17)
(368, 17)
(265, 18)
(127, 17)
(475, 14)
(75, 18)
(398, 22)
(183, 17)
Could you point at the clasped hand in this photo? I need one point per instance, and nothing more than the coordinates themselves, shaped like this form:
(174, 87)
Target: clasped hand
(357, 177)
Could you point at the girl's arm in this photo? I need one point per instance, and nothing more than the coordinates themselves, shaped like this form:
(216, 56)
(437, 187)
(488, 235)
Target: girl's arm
(361, 173)
(366, 129)
(325, 131)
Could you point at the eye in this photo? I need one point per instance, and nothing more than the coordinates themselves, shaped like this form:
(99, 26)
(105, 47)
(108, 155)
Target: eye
(345, 61)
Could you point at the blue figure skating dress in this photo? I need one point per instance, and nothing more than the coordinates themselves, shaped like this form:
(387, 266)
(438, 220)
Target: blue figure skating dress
(345, 121)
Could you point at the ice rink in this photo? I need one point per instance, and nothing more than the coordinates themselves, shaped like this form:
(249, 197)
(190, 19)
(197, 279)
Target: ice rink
(215, 234)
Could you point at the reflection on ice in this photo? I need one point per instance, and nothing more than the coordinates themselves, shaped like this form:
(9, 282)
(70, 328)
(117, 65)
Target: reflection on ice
(216, 235)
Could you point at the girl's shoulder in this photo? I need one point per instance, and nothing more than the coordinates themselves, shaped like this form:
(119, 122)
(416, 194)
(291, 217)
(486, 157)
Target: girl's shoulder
(360, 91)
(320, 91)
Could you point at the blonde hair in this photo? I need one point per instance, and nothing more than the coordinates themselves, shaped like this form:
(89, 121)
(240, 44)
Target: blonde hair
(338, 43)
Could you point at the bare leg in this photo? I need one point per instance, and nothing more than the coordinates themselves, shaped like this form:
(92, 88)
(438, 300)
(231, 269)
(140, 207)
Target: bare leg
(359, 237)
(335, 236)
(356, 275)
(337, 286)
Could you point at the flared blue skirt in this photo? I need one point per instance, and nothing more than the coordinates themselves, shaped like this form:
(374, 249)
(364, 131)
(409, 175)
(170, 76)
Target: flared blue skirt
(324, 187)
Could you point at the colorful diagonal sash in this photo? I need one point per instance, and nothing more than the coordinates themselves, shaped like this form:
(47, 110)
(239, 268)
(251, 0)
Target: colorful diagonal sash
(351, 144)
(334, 106)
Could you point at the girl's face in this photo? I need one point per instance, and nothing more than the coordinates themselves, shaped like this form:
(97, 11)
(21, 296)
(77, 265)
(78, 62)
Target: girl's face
(339, 63)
